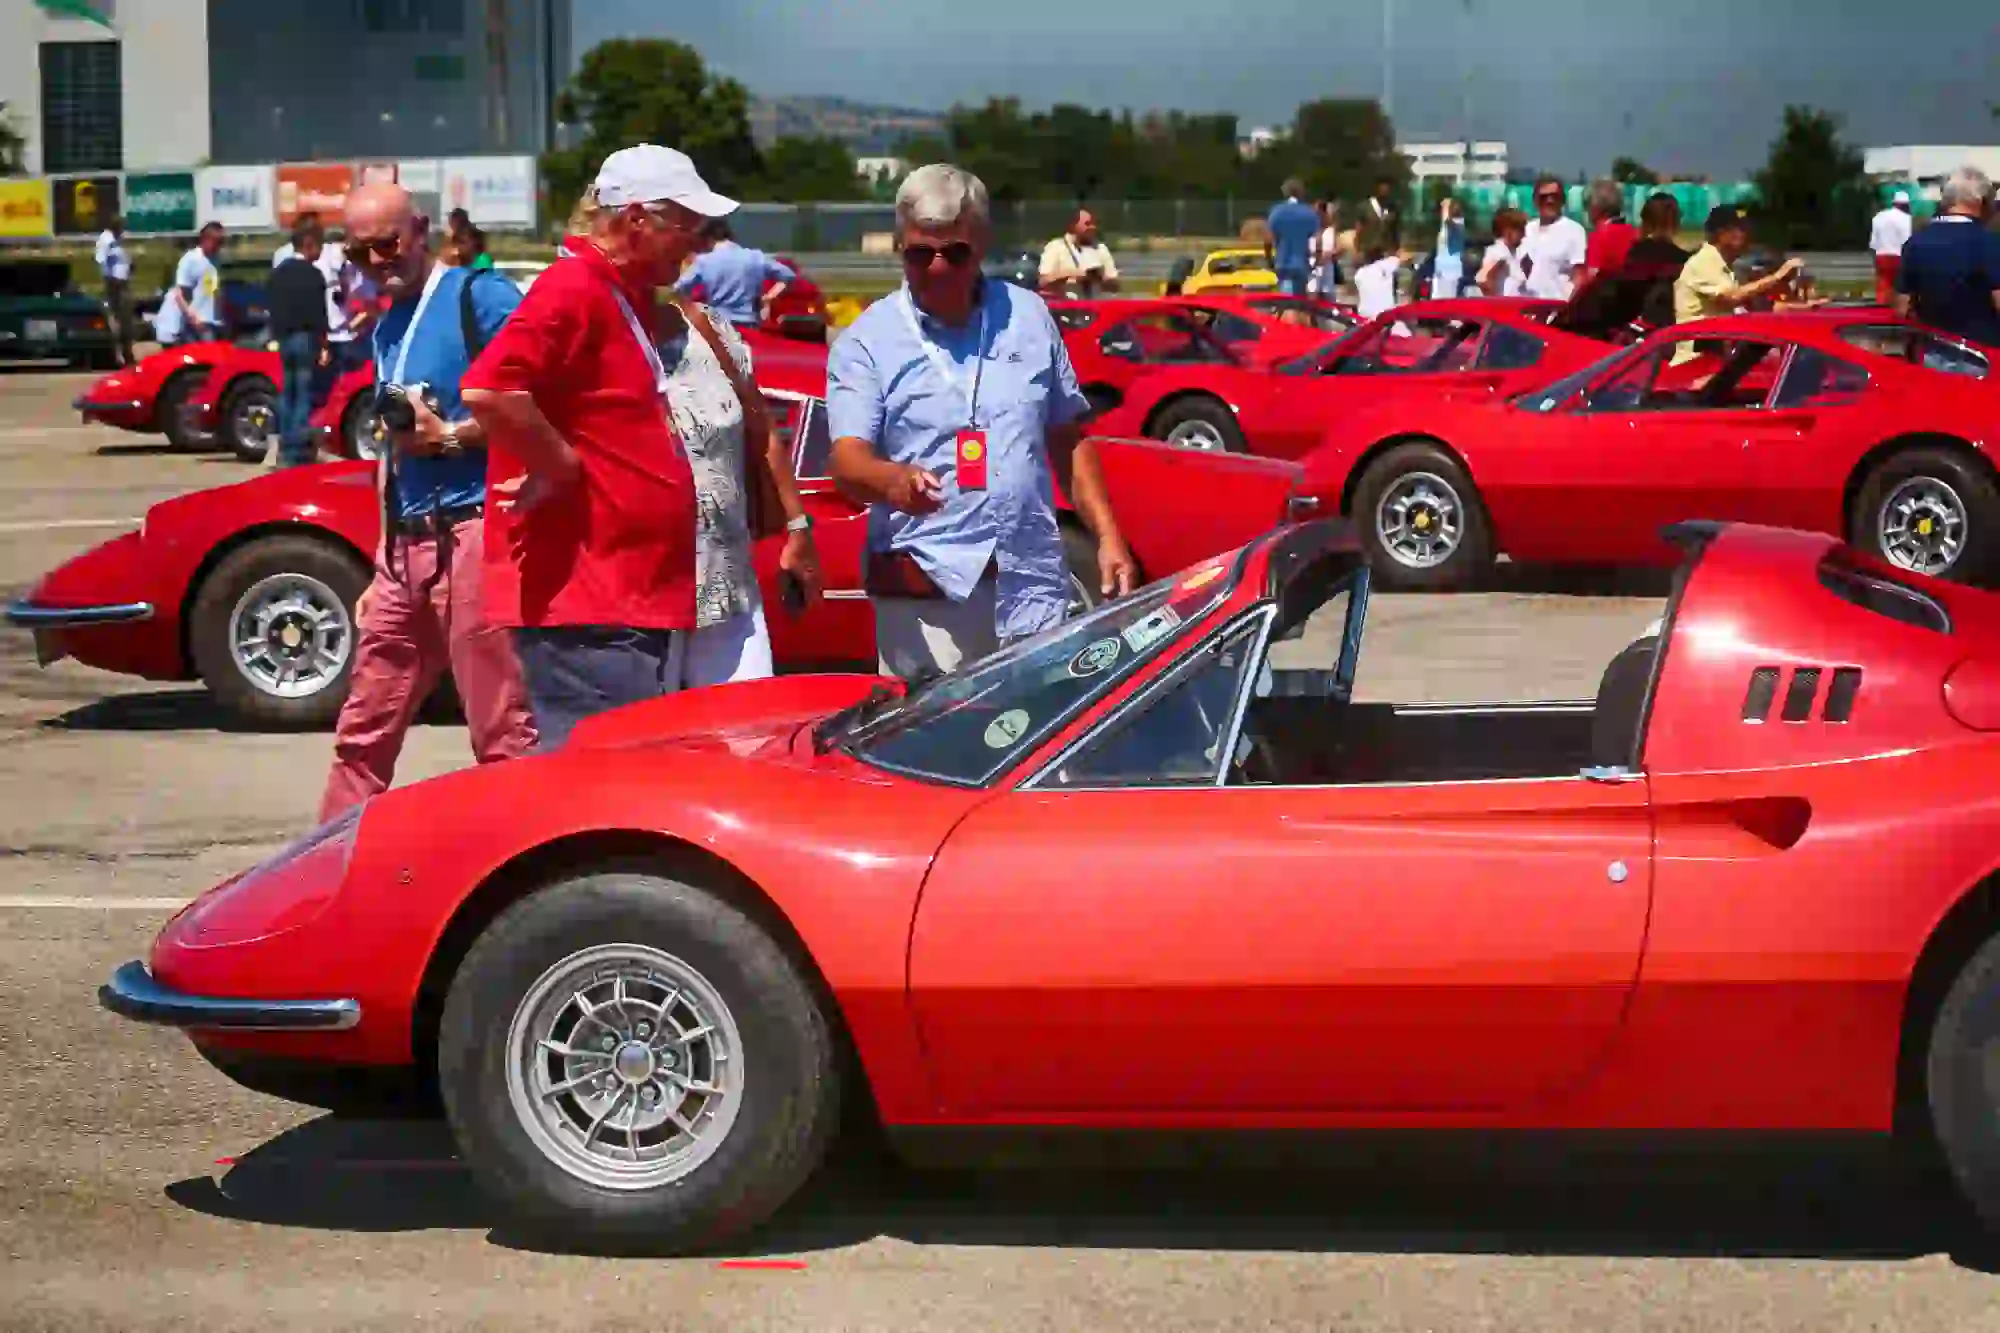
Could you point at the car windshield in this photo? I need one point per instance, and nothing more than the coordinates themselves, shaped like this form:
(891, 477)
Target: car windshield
(970, 726)
(1551, 396)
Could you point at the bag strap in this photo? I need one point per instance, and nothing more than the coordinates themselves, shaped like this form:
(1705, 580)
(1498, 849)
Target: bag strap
(468, 319)
(746, 393)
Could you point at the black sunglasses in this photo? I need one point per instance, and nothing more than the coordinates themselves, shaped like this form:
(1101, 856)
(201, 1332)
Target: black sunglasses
(957, 254)
(1547, 198)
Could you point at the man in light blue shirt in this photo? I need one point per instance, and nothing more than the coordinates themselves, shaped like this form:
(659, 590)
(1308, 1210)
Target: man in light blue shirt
(732, 277)
(187, 315)
(954, 409)
(1293, 225)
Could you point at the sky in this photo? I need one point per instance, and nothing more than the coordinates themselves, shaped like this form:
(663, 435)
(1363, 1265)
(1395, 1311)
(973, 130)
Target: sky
(1685, 86)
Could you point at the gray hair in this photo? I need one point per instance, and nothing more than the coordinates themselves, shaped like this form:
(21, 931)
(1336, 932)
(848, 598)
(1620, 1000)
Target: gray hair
(1967, 188)
(1607, 199)
(937, 196)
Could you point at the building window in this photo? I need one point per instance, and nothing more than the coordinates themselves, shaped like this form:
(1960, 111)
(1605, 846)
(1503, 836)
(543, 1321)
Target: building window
(83, 110)
(440, 17)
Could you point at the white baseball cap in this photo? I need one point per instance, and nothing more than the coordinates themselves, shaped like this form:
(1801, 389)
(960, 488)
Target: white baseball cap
(648, 174)
(1902, 197)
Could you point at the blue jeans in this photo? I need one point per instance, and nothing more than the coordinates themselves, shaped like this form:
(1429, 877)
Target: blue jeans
(577, 671)
(1292, 281)
(298, 354)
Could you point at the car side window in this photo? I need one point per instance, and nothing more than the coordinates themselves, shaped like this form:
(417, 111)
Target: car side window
(1411, 346)
(813, 459)
(1508, 349)
(1952, 358)
(1234, 328)
(1175, 737)
(1120, 341)
(1693, 374)
(1815, 379)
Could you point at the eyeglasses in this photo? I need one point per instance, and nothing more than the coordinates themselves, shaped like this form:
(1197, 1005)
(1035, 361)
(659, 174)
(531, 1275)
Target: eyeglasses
(381, 247)
(1550, 198)
(958, 254)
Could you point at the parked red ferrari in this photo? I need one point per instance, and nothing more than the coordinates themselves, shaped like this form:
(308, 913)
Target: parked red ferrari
(1836, 421)
(643, 969)
(1411, 353)
(345, 425)
(1114, 341)
(238, 403)
(153, 398)
(251, 588)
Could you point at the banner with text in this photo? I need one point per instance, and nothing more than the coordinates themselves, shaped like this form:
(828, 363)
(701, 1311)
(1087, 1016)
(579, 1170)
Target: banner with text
(424, 179)
(494, 191)
(314, 187)
(84, 205)
(241, 197)
(159, 201)
(24, 208)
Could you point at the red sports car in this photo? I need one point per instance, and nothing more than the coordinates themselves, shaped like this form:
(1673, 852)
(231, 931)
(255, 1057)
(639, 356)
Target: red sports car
(1045, 892)
(251, 588)
(799, 313)
(238, 403)
(1115, 341)
(345, 423)
(1407, 354)
(154, 397)
(1833, 421)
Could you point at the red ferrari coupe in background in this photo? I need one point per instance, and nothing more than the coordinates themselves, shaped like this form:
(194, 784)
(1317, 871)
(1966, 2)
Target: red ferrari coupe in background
(238, 403)
(1412, 353)
(1114, 341)
(1846, 422)
(641, 970)
(155, 397)
(251, 588)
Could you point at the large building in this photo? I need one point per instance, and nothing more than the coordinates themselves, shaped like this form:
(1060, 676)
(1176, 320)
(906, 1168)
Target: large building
(132, 85)
(1928, 165)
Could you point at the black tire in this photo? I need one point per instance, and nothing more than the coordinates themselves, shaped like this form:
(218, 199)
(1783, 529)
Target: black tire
(170, 410)
(1467, 562)
(1963, 1097)
(209, 636)
(357, 429)
(1199, 412)
(250, 395)
(1978, 557)
(790, 1095)
(1080, 557)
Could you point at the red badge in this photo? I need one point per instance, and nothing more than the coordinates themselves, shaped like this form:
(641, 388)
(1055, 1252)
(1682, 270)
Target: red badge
(972, 460)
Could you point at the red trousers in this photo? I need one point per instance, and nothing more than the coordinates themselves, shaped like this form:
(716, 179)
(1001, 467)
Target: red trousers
(414, 623)
(1886, 268)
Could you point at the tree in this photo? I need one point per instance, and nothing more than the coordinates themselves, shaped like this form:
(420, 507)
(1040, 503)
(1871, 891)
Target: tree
(647, 90)
(804, 170)
(12, 145)
(1631, 171)
(1340, 147)
(1813, 193)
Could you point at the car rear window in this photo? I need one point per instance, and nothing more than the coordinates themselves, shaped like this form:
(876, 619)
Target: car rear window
(1883, 595)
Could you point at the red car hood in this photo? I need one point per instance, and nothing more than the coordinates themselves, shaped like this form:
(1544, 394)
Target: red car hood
(745, 718)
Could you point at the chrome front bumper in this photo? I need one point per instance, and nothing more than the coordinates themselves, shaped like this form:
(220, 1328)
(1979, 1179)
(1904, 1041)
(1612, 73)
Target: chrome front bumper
(29, 615)
(87, 405)
(133, 993)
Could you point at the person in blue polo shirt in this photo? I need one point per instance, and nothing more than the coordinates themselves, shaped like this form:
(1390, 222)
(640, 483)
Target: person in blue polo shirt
(732, 277)
(1293, 224)
(1950, 274)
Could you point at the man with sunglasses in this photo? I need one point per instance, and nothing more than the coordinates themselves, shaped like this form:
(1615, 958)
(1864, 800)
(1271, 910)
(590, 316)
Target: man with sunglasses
(1555, 252)
(954, 410)
(423, 611)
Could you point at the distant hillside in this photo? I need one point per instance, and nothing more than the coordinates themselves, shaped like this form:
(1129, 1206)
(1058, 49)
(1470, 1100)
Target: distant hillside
(868, 130)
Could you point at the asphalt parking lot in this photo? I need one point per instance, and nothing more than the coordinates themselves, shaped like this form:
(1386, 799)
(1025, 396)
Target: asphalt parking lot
(140, 1190)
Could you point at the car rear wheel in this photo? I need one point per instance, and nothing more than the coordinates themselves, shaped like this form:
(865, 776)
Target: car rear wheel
(1199, 423)
(273, 631)
(631, 1063)
(1931, 511)
(174, 417)
(361, 430)
(1421, 520)
(1963, 1081)
(250, 418)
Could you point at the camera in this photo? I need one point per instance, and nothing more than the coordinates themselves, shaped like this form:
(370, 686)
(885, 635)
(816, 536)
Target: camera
(393, 406)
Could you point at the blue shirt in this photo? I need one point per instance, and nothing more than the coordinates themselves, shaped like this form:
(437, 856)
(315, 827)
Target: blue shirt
(438, 359)
(1950, 271)
(733, 278)
(883, 386)
(1293, 226)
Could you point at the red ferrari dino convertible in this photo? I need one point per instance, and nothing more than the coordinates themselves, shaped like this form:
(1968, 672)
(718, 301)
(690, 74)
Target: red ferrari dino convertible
(1839, 421)
(251, 588)
(640, 968)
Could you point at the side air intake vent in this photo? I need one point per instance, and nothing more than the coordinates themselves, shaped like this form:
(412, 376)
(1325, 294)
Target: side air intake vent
(1801, 692)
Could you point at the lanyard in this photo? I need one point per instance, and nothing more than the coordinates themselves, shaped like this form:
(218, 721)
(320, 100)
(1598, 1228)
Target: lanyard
(395, 375)
(645, 343)
(951, 374)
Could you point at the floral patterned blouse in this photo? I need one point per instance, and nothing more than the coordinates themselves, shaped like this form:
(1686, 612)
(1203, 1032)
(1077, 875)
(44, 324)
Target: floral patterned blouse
(709, 419)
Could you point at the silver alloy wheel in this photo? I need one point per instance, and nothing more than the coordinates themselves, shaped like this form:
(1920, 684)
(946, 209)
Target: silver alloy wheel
(1922, 525)
(252, 423)
(1198, 435)
(1420, 520)
(365, 435)
(625, 1067)
(290, 635)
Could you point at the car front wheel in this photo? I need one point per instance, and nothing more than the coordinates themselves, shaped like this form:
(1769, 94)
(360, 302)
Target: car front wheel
(273, 631)
(1931, 511)
(250, 419)
(1421, 521)
(1963, 1081)
(1201, 423)
(631, 1063)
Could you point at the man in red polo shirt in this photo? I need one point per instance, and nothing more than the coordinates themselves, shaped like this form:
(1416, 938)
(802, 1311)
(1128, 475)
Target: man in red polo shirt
(591, 516)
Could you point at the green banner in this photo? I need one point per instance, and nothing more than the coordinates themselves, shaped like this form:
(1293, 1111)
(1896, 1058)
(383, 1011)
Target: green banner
(160, 201)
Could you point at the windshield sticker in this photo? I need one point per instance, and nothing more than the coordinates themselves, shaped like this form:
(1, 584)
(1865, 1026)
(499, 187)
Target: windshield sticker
(1007, 728)
(1099, 656)
(1152, 629)
(1202, 579)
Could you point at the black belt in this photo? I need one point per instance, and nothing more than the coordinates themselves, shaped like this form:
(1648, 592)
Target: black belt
(436, 521)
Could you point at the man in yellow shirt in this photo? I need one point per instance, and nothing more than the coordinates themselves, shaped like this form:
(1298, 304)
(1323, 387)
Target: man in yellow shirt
(1707, 285)
(1077, 263)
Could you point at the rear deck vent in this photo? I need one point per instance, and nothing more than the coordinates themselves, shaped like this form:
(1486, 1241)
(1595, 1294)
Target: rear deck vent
(1840, 694)
(1799, 697)
(1763, 689)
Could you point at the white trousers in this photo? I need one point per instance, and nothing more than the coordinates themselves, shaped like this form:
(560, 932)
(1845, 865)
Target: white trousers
(916, 635)
(738, 648)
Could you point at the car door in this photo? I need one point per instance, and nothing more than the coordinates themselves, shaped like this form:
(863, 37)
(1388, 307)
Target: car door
(840, 628)
(1124, 937)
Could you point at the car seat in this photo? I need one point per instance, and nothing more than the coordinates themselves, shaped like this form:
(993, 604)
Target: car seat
(1621, 703)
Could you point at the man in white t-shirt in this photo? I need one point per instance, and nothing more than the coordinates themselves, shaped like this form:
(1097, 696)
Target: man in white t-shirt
(114, 264)
(1078, 263)
(1375, 283)
(188, 314)
(1556, 247)
(1887, 236)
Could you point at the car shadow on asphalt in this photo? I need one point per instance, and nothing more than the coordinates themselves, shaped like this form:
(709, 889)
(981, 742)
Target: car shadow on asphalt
(148, 449)
(1431, 1196)
(150, 710)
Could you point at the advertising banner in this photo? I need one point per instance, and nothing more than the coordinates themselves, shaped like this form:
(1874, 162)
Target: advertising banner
(159, 201)
(373, 173)
(314, 187)
(24, 208)
(495, 191)
(424, 179)
(243, 197)
(84, 205)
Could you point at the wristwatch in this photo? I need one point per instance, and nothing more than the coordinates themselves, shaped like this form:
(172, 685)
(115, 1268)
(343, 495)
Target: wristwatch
(803, 523)
(451, 448)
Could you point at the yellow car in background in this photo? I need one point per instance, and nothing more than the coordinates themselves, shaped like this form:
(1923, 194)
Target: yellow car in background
(1239, 270)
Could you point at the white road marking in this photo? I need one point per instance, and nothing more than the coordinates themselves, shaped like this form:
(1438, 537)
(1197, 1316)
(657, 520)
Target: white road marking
(57, 524)
(59, 903)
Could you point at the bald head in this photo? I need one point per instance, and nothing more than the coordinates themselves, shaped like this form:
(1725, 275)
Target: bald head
(385, 236)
